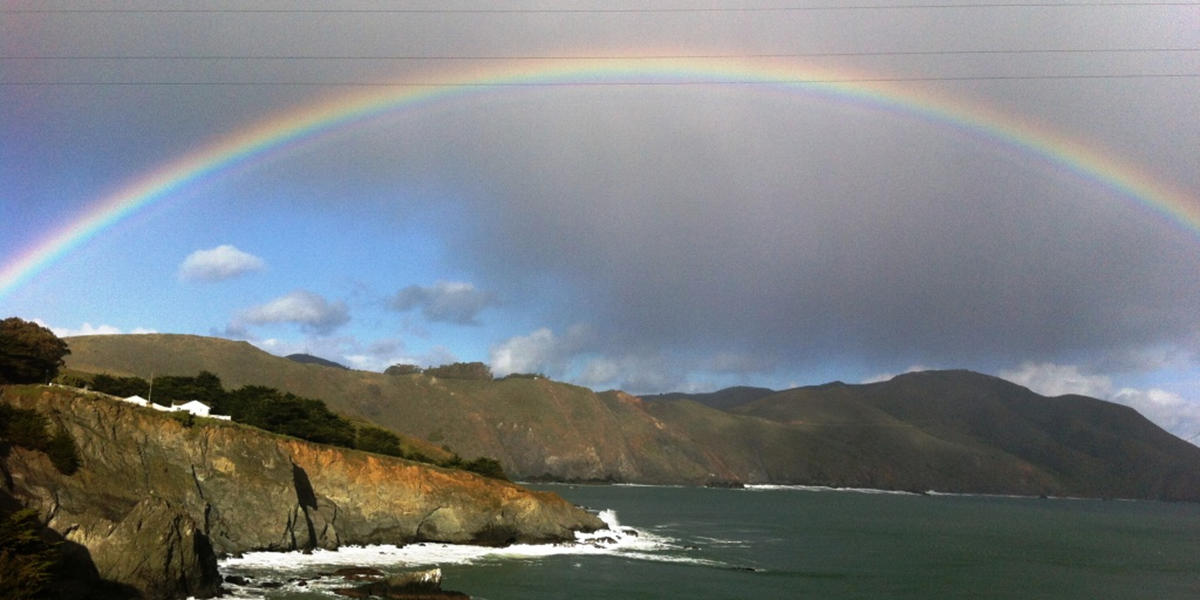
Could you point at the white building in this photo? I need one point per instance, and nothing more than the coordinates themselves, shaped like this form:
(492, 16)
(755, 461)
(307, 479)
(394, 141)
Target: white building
(138, 400)
(194, 407)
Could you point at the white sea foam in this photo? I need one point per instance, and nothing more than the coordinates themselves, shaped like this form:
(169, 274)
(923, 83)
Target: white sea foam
(826, 488)
(615, 540)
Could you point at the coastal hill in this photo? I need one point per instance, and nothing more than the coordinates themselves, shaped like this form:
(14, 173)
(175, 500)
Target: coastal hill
(951, 431)
(152, 500)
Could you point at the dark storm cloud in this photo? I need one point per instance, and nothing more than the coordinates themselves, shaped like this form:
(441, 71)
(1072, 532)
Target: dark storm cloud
(445, 301)
(729, 226)
(795, 229)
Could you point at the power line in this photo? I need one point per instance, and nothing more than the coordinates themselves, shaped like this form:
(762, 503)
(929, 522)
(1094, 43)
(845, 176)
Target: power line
(563, 84)
(416, 57)
(634, 10)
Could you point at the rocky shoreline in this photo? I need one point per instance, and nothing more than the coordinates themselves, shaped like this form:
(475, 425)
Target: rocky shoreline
(157, 500)
(364, 583)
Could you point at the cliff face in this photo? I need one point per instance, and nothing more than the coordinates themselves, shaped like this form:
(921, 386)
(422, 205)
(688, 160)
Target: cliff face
(156, 500)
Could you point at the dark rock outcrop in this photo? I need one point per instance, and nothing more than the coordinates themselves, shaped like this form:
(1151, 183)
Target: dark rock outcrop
(157, 500)
(414, 585)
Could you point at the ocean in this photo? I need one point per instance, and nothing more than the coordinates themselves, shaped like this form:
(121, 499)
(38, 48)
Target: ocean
(796, 542)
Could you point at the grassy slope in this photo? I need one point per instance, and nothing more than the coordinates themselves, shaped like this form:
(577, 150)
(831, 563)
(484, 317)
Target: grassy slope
(533, 426)
(1070, 444)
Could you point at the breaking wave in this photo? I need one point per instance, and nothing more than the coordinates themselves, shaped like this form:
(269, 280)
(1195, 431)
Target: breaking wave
(299, 572)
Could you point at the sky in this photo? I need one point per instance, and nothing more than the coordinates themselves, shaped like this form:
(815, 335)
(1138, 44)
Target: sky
(649, 196)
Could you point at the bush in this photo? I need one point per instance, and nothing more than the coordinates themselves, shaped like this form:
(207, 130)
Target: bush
(122, 387)
(379, 441)
(471, 370)
(488, 467)
(305, 418)
(27, 562)
(525, 376)
(185, 418)
(402, 370)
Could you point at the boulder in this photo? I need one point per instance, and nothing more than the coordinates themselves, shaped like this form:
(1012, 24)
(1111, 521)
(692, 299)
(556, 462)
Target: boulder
(159, 550)
(414, 585)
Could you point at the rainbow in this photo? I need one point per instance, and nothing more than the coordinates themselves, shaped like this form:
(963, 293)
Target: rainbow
(239, 148)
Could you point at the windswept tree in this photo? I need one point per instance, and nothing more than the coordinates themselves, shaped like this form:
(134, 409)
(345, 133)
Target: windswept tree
(29, 353)
(461, 370)
(402, 369)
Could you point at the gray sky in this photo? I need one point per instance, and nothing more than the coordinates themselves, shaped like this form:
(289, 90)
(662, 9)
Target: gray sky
(681, 235)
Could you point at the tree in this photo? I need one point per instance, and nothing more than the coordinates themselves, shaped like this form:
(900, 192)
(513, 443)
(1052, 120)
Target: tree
(121, 386)
(402, 369)
(461, 370)
(29, 353)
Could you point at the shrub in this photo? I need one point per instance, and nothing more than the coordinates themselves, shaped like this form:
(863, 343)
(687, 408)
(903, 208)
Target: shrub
(123, 387)
(525, 376)
(27, 562)
(402, 370)
(471, 370)
(488, 467)
(185, 418)
(379, 441)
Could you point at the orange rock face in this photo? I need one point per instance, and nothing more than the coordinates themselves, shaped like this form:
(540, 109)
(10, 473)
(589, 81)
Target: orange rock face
(244, 489)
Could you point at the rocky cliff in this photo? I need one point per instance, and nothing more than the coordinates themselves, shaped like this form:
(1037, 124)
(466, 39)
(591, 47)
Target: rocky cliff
(157, 499)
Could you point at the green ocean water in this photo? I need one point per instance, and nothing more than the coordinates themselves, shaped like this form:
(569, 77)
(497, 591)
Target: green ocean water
(791, 543)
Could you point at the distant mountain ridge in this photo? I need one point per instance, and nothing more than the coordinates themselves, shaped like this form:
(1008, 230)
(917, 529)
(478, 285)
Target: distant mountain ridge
(953, 431)
(309, 359)
(721, 399)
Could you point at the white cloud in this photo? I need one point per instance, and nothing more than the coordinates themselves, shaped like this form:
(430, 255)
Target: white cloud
(541, 351)
(89, 329)
(218, 264)
(1049, 379)
(356, 354)
(445, 301)
(600, 372)
(537, 351)
(637, 374)
(1166, 409)
(311, 311)
(878, 377)
(373, 359)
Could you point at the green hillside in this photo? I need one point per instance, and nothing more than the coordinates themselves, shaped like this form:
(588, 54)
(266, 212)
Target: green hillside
(946, 430)
(1082, 443)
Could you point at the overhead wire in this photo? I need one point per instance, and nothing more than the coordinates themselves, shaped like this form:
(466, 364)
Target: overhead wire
(556, 57)
(606, 10)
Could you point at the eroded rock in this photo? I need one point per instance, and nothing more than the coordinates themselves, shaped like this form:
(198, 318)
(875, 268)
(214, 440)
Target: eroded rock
(178, 496)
